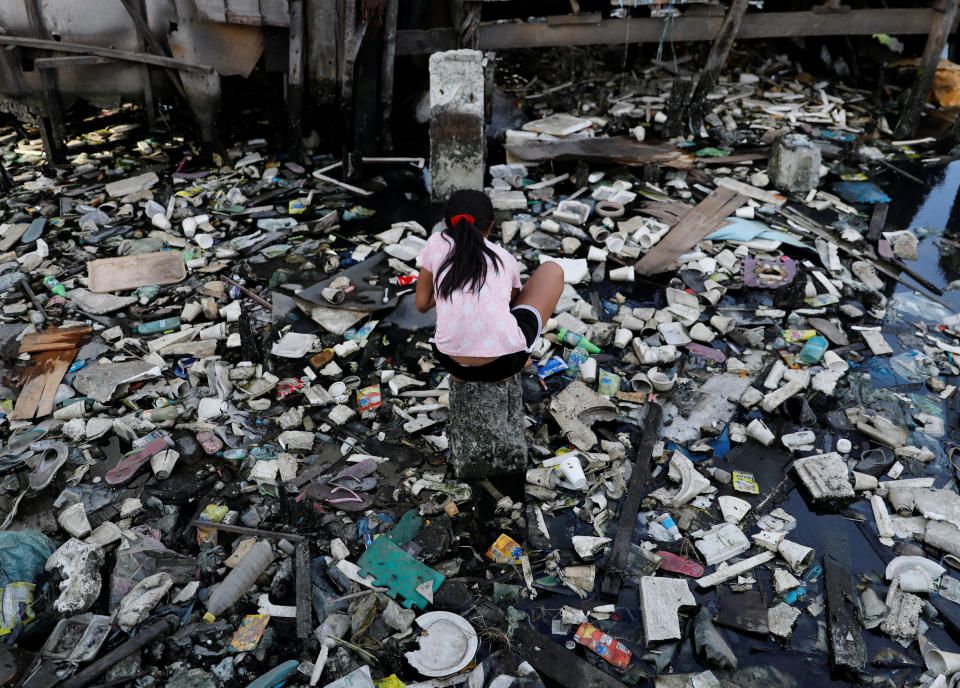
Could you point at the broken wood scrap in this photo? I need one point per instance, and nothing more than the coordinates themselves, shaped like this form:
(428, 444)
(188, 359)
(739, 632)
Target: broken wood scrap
(619, 149)
(55, 339)
(545, 655)
(704, 219)
(669, 213)
(41, 382)
(627, 519)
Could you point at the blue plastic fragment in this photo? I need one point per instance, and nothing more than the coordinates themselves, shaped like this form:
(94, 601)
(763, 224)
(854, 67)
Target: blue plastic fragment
(861, 192)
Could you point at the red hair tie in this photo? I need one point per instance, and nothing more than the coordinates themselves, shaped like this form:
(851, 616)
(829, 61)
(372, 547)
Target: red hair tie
(456, 218)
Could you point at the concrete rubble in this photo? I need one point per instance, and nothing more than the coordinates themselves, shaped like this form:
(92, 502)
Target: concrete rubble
(730, 461)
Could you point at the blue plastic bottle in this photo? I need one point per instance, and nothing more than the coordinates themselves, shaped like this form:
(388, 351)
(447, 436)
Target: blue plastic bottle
(813, 350)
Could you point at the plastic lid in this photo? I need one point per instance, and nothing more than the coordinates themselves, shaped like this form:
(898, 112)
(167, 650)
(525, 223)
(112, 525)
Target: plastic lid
(209, 618)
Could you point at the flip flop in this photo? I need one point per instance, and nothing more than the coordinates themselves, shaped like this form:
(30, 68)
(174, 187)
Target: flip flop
(342, 498)
(355, 473)
(21, 440)
(677, 564)
(50, 457)
(131, 462)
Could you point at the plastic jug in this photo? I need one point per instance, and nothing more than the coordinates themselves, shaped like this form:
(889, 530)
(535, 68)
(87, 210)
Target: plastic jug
(230, 589)
(813, 350)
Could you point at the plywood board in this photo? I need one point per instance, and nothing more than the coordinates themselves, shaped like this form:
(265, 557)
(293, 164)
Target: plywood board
(130, 272)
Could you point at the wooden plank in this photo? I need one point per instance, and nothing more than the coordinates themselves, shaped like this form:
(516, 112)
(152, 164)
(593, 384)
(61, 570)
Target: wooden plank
(620, 149)
(130, 272)
(52, 126)
(70, 61)
(685, 28)
(386, 72)
(304, 590)
(848, 652)
(53, 339)
(545, 655)
(627, 520)
(878, 220)
(52, 378)
(695, 225)
(32, 390)
(124, 55)
(295, 80)
(940, 27)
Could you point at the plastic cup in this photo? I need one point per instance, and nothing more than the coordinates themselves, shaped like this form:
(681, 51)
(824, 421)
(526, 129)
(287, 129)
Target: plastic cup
(570, 468)
(544, 477)
(759, 431)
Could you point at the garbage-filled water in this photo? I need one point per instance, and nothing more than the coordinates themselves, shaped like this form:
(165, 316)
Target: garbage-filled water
(226, 438)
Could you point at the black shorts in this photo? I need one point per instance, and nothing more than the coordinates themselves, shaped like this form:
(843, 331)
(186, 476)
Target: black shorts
(528, 319)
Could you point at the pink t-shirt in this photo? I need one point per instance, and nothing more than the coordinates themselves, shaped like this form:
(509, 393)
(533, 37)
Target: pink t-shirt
(475, 323)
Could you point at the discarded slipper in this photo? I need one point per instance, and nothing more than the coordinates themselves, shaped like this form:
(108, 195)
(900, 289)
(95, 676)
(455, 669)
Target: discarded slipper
(21, 440)
(677, 564)
(131, 462)
(50, 456)
(353, 476)
(342, 498)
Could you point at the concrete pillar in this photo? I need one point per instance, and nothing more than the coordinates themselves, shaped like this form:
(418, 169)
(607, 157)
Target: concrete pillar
(794, 164)
(456, 122)
(485, 428)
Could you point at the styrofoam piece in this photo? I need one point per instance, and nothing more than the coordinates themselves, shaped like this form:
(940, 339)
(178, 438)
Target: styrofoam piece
(734, 570)
(796, 555)
(660, 598)
(884, 524)
(733, 508)
(723, 541)
(759, 431)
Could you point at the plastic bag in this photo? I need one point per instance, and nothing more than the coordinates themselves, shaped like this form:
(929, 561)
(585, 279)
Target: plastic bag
(23, 554)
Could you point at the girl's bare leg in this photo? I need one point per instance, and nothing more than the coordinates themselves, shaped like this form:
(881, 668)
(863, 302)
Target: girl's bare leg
(542, 290)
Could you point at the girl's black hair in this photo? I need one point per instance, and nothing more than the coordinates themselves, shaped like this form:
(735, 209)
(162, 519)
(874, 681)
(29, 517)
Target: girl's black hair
(467, 215)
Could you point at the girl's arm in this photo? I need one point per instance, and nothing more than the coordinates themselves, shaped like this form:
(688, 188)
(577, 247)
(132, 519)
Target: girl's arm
(425, 299)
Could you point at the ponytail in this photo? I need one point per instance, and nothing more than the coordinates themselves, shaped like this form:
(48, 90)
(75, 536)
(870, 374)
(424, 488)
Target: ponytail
(467, 216)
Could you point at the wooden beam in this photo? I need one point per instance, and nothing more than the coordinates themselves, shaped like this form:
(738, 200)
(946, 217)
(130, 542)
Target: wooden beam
(649, 30)
(52, 128)
(295, 52)
(386, 72)
(940, 27)
(692, 112)
(124, 55)
(70, 61)
(627, 519)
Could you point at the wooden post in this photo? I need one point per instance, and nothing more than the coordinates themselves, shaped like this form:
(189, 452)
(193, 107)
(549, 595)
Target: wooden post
(135, 10)
(693, 112)
(937, 38)
(51, 127)
(389, 57)
(295, 80)
(145, 73)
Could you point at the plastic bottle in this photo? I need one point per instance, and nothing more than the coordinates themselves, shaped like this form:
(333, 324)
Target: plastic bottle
(813, 350)
(666, 520)
(158, 415)
(53, 284)
(574, 339)
(238, 581)
(158, 326)
(576, 358)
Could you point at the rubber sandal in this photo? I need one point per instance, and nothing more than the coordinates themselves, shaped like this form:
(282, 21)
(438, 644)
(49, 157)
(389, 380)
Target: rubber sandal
(131, 462)
(21, 440)
(50, 456)
(358, 484)
(355, 473)
(342, 498)
(677, 564)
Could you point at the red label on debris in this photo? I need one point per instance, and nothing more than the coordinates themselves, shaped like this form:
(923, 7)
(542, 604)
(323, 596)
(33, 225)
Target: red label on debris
(606, 646)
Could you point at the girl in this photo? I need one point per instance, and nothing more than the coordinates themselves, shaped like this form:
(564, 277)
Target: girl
(486, 324)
